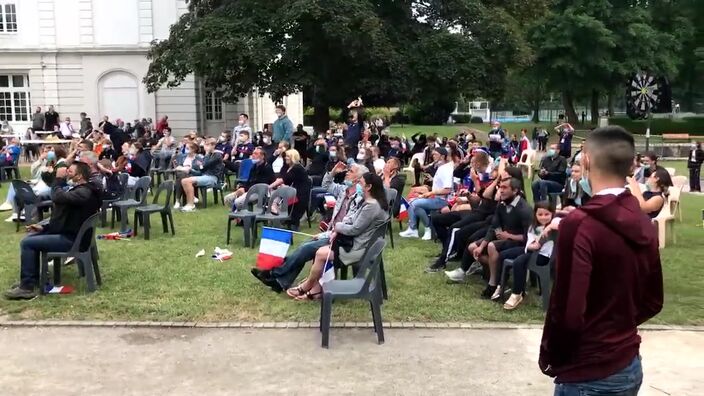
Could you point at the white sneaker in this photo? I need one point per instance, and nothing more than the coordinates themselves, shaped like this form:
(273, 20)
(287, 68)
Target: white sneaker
(456, 275)
(427, 235)
(196, 200)
(11, 218)
(177, 205)
(188, 208)
(5, 207)
(409, 233)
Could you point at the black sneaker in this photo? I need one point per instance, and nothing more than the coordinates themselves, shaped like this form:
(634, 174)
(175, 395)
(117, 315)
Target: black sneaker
(18, 293)
(488, 292)
(437, 266)
(267, 280)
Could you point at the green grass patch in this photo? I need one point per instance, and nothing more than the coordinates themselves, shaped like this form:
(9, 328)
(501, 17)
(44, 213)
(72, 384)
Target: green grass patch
(161, 280)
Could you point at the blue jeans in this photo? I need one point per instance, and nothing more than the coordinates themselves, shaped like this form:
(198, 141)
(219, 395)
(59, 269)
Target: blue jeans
(30, 249)
(293, 264)
(541, 189)
(624, 383)
(420, 208)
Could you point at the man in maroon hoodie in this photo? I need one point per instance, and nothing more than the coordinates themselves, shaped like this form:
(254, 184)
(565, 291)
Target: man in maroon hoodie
(608, 280)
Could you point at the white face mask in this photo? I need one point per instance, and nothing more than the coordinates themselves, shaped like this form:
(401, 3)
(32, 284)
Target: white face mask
(267, 140)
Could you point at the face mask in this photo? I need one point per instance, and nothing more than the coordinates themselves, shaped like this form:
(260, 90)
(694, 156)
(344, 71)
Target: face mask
(586, 187)
(551, 153)
(187, 151)
(221, 139)
(50, 156)
(360, 190)
(333, 154)
(267, 140)
(348, 183)
(693, 146)
(255, 161)
(70, 183)
(320, 149)
(646, 166)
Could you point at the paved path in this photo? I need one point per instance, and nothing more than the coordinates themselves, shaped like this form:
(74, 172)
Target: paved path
(123, 361)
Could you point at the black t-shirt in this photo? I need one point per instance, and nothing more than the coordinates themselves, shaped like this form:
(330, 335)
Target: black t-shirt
(51, 120)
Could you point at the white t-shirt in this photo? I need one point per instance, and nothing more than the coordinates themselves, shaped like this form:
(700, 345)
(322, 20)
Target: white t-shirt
(443, 178)
(546, 248)
(379, 165)
(277, 164)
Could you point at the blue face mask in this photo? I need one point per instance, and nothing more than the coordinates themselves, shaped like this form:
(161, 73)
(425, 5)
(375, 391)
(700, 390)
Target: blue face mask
(254, 160)
(348, 183)
(584, 183)
(360, 190)
(50, 156)
(551, 153)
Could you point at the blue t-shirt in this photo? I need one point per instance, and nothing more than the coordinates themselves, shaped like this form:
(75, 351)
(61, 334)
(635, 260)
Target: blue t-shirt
(14, 152)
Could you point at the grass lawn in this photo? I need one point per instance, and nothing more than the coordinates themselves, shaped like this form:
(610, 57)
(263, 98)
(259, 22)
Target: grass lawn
(161, 280)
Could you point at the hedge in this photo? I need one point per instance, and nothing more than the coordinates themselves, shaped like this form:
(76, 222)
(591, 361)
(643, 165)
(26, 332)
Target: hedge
(690, 125)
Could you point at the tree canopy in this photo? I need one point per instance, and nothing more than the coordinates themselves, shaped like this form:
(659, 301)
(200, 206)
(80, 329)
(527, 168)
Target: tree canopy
(386, 50)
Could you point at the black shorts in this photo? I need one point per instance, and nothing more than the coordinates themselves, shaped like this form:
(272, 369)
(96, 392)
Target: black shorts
(507, 246)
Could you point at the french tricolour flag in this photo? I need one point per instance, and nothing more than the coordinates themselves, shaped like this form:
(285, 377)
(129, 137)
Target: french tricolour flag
(328, 271)
(403, 211)
(273, 248)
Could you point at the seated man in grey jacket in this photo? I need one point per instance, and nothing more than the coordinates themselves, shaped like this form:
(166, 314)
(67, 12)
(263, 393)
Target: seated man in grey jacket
(348, 202)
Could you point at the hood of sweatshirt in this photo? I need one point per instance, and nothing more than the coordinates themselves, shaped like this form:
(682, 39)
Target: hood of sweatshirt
(620, 213)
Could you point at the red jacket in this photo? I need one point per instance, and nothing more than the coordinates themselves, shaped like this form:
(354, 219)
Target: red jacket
(608, 281)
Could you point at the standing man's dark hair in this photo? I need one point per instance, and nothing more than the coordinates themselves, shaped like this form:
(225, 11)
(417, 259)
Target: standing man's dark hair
(608, 279)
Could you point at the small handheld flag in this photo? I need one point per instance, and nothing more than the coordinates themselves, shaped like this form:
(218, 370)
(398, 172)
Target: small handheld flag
(273, 248)
(328, 271)
(403, 211)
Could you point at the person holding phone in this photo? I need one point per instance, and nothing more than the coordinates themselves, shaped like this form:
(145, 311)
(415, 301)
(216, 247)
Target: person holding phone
(75, 200)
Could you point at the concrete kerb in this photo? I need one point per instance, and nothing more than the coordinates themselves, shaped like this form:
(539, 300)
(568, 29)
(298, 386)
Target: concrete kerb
(4, 322)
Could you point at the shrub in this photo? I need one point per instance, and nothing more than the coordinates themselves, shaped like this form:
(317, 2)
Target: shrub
(461, 118)
(658, 126)
(476, 120)
(433, 113)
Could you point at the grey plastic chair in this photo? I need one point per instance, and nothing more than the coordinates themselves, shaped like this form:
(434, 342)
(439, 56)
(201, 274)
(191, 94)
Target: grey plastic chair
(379, 233)
(391, 196)
(508, 264)
(283, 195)
(107, 203)
(85, 254)
(255, 198)
(139, 191)
(364, 286)
(27, 200)
(217, 192)
(142, 214)
(544, 274)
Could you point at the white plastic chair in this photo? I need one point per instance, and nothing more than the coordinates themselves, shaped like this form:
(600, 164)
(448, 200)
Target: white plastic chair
(527, 158)
(661, 221)
(674, 200)
(671, 171)
(420, 157)
(680, 181)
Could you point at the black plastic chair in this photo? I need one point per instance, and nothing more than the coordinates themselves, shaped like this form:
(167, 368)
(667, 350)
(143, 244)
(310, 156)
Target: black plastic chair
(107, 203)
(142, 214)
(27, 200)
(247, 216)
(85, 253)
(136, 197)
(282, 195)
(364, 286)
(391, 196)
(6, 171)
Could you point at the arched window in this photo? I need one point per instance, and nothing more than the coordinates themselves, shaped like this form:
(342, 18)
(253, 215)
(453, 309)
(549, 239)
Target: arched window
(119, 96)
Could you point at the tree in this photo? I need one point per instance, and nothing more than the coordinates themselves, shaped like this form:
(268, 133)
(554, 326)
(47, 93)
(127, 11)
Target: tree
(386, 50)
(588, 47)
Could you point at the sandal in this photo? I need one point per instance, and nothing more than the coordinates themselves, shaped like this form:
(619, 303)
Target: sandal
(513, 302)
(310, 296)
(297, 290)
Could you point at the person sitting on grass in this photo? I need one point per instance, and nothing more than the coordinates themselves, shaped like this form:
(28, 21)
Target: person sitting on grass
(211, 173)
(552, 173)
(654, 198)
(75, 200)
(350, 237)
(347, 203)
(430, 199)
(261, 173)
(537, 241)
(504, 240)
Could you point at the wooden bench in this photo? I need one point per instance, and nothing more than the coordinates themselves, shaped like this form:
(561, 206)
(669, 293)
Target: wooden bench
(675, 137)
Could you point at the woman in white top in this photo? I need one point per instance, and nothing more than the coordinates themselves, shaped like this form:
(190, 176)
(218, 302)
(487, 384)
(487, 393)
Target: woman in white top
(536, 241)
(166, 147)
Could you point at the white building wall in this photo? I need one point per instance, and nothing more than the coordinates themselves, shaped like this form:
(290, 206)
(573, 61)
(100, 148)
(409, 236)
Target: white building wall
(67, 46)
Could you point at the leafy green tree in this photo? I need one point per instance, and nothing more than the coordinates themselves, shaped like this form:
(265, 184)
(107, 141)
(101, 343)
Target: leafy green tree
(388, 51)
